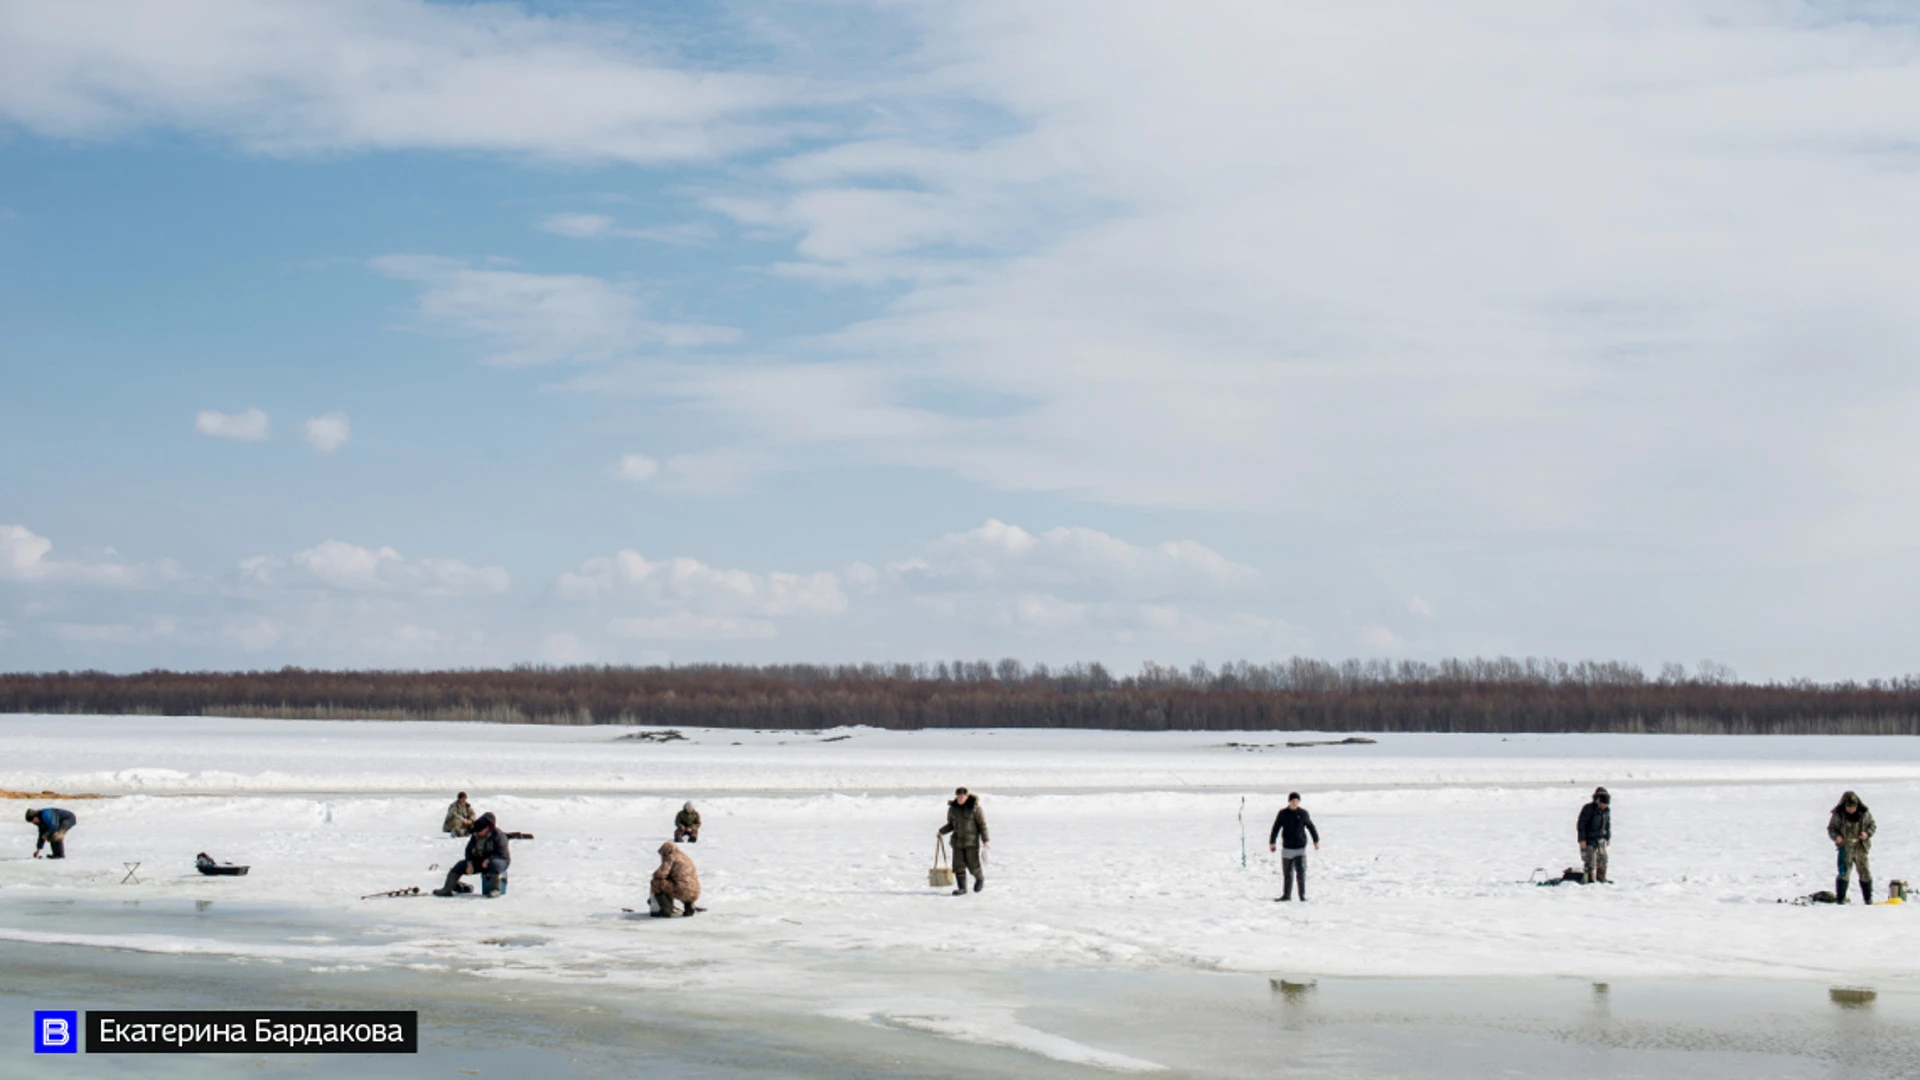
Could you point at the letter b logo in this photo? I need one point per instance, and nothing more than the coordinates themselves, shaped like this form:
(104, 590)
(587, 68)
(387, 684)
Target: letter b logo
(56, 1032)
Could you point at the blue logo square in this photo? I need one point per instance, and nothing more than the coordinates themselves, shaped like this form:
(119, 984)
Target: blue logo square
(56, 1031)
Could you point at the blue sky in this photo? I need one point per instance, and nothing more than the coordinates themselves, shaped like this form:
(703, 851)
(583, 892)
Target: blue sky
(388, 333)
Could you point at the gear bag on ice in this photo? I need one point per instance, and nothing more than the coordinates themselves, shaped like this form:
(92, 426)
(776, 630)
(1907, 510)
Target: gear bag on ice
(941, 876)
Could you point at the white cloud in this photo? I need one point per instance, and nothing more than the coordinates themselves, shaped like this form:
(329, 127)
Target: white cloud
(593, 226)
(372, 75)
(636, 467)
(686, 626)
(630, 579)
(1000, 554)
(24, 557)
(351, 567)
(1075, 584)
(145, 633)
(1504, 271)
(1418, 606)
(567, 648)
(540, 318)
(583, 226)
(248, 426)
(252, 634)
(1379, 639)
(328, 433)
(715, 472)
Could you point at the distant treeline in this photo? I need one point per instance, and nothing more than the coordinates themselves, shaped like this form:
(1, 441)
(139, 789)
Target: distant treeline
(1498, 695)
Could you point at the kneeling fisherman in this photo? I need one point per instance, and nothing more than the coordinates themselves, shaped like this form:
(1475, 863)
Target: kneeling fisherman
(487, 856)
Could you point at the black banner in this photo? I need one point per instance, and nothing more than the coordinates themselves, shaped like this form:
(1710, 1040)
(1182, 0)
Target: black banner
(245, 1031)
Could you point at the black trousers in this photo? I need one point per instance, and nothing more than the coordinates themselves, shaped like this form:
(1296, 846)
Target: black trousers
(965, 859)
(1291, 868)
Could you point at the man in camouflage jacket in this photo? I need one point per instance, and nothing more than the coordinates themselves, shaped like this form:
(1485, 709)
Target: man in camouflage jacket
(968, 824)
(1850, 827)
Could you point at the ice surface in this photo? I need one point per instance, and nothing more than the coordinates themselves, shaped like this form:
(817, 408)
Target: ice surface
(1113, 851)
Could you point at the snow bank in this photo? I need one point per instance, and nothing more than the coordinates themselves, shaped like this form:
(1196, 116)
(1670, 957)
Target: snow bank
(1111, 850)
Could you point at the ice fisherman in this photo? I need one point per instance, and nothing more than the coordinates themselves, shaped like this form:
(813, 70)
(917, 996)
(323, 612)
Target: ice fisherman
(968, 824)
(686, 825)
(1291, 828)
(459, 816)
(674, 879)
(1594, 830)
(1850, 827)
(53, 824)
(487, 856)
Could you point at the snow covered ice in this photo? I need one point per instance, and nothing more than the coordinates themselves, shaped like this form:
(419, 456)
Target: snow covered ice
(1112, 852)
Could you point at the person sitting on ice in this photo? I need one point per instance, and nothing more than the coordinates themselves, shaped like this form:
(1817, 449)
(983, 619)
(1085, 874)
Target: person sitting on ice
(1595, 832)
(968, 824)
(674, 879)
(1291, 829)
(53, 824)
(459, 816)
(487, 856)
(686, 825)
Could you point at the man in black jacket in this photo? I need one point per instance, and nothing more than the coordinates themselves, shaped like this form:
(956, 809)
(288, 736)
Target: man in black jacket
(1291, 829)
(487, 856)
(1595, 830)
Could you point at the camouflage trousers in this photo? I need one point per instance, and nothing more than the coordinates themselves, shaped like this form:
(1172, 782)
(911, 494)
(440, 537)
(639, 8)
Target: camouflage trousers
(1853, 856)
(1594, 858)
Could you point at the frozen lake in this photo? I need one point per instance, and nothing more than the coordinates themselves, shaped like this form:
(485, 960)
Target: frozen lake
(1119, 931)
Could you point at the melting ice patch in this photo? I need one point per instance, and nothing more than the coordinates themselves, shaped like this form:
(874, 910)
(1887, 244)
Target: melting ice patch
(988, 1025)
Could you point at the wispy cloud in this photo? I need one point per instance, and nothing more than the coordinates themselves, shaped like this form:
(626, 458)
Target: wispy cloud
(594, 226)
(374, 75)
(535, 319)
(249, 426)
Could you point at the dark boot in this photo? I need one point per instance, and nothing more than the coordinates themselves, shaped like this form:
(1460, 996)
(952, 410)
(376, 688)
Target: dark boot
(960, 883)
(979, 882)
(1840, 890)
(687, 908)
(1300, 868)
(59, 848)
(1866, 890)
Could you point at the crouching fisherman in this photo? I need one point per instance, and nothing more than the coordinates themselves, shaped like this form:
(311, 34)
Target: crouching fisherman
(459, 817)
(486, 856)
(53, 824)
(674, 879)
(686, 825)
(1850, 827)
